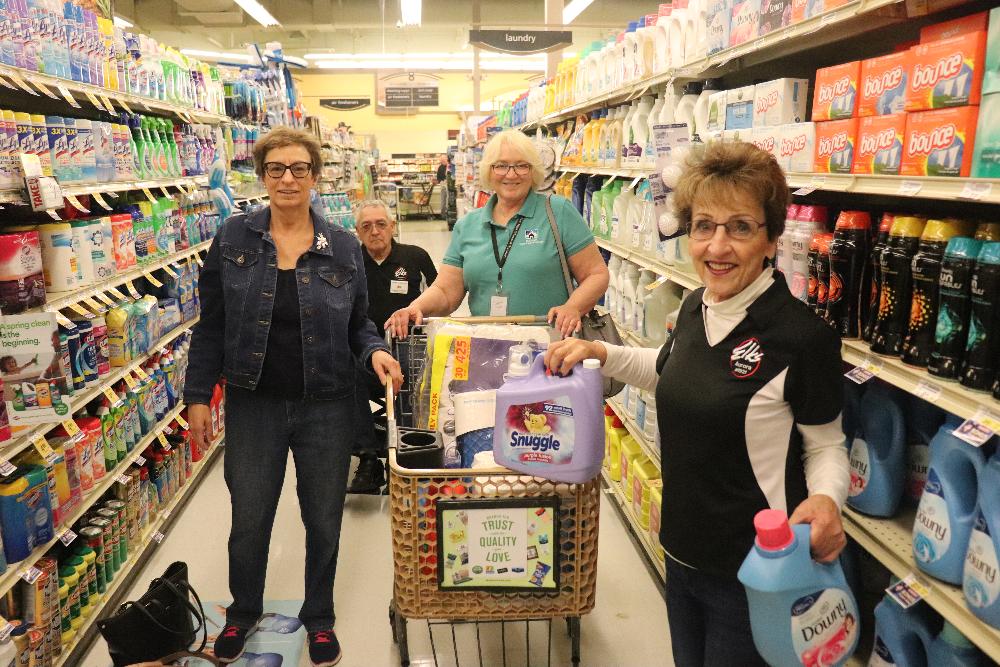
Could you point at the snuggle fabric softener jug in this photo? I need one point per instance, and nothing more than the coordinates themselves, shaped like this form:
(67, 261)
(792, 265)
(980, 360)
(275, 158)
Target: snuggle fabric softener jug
(801, 612)
(549, 426)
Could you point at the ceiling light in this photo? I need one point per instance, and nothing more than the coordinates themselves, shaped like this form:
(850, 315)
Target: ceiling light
(409, 11)
(122, 23)
(573, 9)
(218, 55)
(257, 12)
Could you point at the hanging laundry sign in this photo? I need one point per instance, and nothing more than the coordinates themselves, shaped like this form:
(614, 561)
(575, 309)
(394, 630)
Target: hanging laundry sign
(345, 103)
(521, 41)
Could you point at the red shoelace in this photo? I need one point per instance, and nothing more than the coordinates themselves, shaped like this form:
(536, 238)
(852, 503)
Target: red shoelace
(323, 637)
(231, 631)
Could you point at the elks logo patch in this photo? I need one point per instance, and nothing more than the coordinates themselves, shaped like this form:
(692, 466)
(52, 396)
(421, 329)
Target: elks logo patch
(745, 358)
(401, 273)
(531, 237)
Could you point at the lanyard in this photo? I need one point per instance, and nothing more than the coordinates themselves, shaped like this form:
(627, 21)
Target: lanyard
(506, 252)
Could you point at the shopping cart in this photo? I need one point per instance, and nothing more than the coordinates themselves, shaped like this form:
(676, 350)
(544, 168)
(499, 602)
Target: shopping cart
(414, 496)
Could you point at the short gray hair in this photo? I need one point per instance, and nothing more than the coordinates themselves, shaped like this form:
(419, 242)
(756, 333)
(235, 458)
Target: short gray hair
(522, 144)
(372, 203)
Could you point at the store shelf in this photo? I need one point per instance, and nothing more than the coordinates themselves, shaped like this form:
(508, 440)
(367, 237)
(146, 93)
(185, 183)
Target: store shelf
(648, 446)
(640, 534)
(15, 570)
(134, 103)
(75, 190)
(23, 439)
(949, 396)
(890, 541)
(686, 280)
(622, 172)
(126, 576)
(984, 190)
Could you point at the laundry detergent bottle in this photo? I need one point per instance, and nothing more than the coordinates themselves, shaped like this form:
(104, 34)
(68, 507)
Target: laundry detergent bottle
(954, 306)
(947, 507)
(896, 284)
(983, 342)
(979, 581)
(549, 426)
(848, 253)
(878, 454)
(801, 612)
(902, 636)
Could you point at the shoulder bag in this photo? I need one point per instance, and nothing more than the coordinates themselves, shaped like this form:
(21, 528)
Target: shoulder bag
(593, 325)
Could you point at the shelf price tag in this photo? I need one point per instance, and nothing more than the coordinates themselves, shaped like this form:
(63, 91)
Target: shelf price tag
(976, 191)
(93, 100)
(198, 259)
(908, 591)
(141, 373)
(131, 381)
(163, 441)
(45, 89)
(123, 105)
(7, 84)
(130, 286)
(183, 422)
(141, 460)
(99, 198)
(68, 96)
(71, 428)
(65, 322)
(43, 448)
(22, 84)
(108, 105)
(94, 305)
(31, 574)
(105, 299)
(111, 396)
(166, 194)
(170, 272)
(117, 294)
(158, 537)
(6, 467)
(53, 214)
(166, 514)
(978, 429)
(656, 283)
(67, 537)
(6, 627)
(80, 310)
(122, 479)
(149, 276)
(149, 195)
(803, 191)
(910, 188)
(864, 371)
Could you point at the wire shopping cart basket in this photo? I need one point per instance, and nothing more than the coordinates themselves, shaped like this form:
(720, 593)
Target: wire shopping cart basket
(434, 513)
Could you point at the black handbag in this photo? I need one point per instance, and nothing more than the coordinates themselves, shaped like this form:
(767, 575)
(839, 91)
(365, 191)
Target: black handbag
(593, 325)
(160, 625)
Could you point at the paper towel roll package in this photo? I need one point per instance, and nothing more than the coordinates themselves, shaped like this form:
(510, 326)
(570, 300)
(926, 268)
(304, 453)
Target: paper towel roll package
(58, 257)
(22, 280)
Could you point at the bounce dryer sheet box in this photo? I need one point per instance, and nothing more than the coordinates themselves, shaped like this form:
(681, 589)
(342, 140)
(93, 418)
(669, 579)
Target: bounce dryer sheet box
(956, 28)
(817, 7)
(835, 142)
(991, 77)
(940, 142)
(986, 159)
(718, 16)
(779, 102)
(946, 73)
(882, 90)
(36, 373)
(768, 139)
(797, 147)
(880, 144)
(774, 15)
(836, 91)
(739, 108)
(745, 18)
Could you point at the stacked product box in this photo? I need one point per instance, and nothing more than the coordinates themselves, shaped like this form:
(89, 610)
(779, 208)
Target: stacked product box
(986, 159)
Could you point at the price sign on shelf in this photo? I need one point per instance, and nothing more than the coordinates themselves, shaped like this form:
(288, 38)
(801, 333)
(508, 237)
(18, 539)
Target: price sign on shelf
(22, 84)
(123, 105)
(80, 310)
(105, 299)
(130, 286)
(141, 460)
(910, 188)
(158, 537)
(94, 305)
(6, 627)
(110, 395)
(183, 422)
(71, 428)
(48, 93)
(65, 322)
(68, 96)
(123, 479)
(163, 441)
(31, 574)
(928, 391)
(152, 279)
(166, 514)
(130, 381)
(165, 192)
(117, 294)
(149, 195)
(93, 100)
(42, 447)
(976, 191)
(7, 84)
(141, 373)
(99, 198)
(6, 467)
(107, 104)
(978, 429)
(67, 537)
(908, 591)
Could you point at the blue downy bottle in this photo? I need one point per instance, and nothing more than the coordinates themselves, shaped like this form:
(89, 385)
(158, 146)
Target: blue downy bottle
(952, 649)
(902, 636)
(980, 580)
(947, 507)
(878, 453)
(801, 612)
(922, 421)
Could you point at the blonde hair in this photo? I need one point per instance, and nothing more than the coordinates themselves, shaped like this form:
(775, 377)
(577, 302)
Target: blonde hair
(522, 145)
(281, 137)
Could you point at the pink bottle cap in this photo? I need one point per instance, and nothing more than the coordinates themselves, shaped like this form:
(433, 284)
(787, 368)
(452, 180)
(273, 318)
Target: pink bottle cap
(813, 213)
(773, 531)
(792, 212)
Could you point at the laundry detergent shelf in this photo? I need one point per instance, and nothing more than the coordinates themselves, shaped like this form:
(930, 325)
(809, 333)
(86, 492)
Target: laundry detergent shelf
(979, 581)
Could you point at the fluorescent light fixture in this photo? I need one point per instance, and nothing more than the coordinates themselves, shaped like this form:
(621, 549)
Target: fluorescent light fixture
(573, 9)
(409, 11)
(417, 62)
(257, 12)
(122, 23)
(218, 55)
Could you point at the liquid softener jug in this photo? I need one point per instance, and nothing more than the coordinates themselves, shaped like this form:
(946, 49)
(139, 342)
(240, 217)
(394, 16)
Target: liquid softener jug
(980, 581)
(953, 649)
(922, 422)
(801, 612)
(947, 507)
(549, 426)
(954, 307)
(895, 285)
(878, 453)
(902, 636)
(848, 253)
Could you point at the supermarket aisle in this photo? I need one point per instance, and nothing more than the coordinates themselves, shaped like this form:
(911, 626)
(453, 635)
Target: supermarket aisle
(627, 628)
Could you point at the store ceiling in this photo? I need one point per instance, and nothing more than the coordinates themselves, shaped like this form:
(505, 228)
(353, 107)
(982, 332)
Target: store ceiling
(357, 26)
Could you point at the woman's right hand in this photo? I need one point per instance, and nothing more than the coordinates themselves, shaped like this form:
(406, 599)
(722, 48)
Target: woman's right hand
(563, 355)
(399, 322)
(200, 420)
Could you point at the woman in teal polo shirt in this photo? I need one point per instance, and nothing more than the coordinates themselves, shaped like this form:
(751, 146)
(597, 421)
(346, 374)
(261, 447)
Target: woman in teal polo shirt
(504, 254)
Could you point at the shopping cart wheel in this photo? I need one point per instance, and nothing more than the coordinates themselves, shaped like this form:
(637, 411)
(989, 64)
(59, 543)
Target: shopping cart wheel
(398, 624)
(573, 627)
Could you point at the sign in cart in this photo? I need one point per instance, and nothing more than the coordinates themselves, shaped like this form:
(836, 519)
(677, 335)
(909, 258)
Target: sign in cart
(499, 544)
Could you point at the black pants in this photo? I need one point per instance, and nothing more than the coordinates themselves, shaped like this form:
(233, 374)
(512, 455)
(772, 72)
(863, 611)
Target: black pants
(367, 437)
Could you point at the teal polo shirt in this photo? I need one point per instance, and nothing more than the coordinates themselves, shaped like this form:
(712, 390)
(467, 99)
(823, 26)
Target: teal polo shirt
(532, 277)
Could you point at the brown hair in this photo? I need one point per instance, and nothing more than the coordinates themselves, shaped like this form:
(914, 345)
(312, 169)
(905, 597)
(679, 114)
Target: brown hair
(280, 137)
(724, 168)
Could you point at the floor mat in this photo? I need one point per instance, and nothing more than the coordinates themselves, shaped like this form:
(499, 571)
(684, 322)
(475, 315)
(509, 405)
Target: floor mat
(279, 639)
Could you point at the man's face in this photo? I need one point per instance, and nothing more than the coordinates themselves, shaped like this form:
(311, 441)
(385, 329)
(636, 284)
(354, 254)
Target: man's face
(375, 230)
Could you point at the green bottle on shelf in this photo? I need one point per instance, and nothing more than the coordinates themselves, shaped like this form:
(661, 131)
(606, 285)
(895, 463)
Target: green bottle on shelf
(137, 143)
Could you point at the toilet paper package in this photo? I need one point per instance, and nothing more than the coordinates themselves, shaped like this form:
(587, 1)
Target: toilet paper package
(986, 159)
(835, 142)
(797, 147)
(836, 91)
(774, 15)
(718, 16)
(946, 73)
(779, 102)
(745, 19)
(882, 90)
(739, 108)
(880, 144)
(940, 142)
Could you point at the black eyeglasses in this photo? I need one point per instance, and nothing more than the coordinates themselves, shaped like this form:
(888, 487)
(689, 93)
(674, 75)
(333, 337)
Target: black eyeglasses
(277, 169)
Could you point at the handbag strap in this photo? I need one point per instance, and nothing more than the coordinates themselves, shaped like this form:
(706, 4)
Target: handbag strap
(197, 611)
(559, 244)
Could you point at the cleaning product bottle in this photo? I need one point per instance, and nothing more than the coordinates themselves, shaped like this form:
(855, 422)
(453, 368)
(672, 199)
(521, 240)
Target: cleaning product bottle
(902, 636)
(710, 87)
(799, 285)
(848, 252)
(896, 285)
(621, 234)
(874, 269)
(684, 113)
(663, 299)
(637, 131)
(661, 44)
(878, 455)
(677, 33)
(823, 275)
(646, 278)
(801, 612)
(979, 581)
(668, 114)
(953, 649)
(947, 506)
(549, 426)
(636, 206)
(619, 157)
(980, 363)
(922, 422)
(615, 436)
(649, 150)
(954, 307)
(630, 281)
(614, 189)
(926, 271)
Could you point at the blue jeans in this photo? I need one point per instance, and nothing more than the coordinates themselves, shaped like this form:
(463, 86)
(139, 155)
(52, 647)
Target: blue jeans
(709, 620)
(367, 439)
(260, 430)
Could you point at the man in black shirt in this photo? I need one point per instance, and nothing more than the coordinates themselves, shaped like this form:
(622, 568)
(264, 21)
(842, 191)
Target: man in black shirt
(441, 179)
(396, 273)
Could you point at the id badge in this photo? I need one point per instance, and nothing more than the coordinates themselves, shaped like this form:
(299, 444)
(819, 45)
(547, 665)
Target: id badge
(498, 305)
(398, 287)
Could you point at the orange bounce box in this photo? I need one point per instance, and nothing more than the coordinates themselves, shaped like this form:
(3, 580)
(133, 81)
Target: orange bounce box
(836, 91)
(960, 26)
(940, 142)
(882, 89)
(946, 73)
(835, 142)
(880, 144)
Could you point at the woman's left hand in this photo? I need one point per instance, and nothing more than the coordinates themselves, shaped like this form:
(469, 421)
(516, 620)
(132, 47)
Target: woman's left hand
(565, 319)
(386, 367)
(826, 535)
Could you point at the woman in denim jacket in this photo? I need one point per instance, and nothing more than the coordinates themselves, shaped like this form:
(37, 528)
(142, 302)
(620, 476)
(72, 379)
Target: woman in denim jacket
(284, 315)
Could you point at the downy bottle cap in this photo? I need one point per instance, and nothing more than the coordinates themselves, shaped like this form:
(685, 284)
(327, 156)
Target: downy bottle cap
(773, 531)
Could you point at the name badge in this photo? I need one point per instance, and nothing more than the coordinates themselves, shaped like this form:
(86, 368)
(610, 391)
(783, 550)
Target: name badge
(498, 306)
(399, 287)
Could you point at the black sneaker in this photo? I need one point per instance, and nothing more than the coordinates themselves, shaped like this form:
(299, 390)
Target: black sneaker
(231, 641)
(324, 649)
(370, 475)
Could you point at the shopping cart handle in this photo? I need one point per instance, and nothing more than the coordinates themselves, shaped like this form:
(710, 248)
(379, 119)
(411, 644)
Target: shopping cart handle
(486, 319)
(390, 408)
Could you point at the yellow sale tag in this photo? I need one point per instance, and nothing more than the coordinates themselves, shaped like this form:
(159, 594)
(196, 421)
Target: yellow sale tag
(71, 428)
(151, 279)
(21, 83)
(163, 440)
(141, 373)
(7, 84)
(93, 100)
(110, 395)
(68, 96)
(76, 204)
(130, 381)
(180, 420)
(149, 195)
(42, 446)
(163, 189)
(123, 105)
(100, 200)
(65, 322)
(80, 310)
(94, 305)
(132, 290)
(107, 104)
(656, 283)
(105, 299)
(117, 294)
(169, 272)
(42, 87)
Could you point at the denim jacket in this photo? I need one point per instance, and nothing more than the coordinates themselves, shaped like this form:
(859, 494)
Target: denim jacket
(237, 288)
